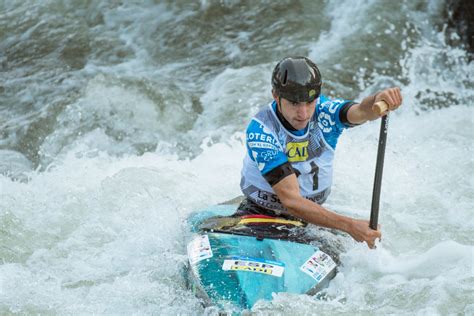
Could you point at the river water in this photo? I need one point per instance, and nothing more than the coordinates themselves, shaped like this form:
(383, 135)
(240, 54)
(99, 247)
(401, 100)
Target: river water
(119, 118)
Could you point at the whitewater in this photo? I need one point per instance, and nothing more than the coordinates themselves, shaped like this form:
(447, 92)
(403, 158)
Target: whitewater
(117, 120)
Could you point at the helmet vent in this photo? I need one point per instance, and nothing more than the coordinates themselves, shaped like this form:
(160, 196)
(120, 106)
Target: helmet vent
(296, 79)
(285, 78)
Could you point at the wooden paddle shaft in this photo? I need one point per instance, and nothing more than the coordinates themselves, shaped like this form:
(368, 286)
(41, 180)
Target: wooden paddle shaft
(380, 107)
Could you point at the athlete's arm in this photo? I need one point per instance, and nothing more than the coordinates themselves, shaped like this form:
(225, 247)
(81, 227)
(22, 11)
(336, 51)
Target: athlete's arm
(362, 112)
(288, 192)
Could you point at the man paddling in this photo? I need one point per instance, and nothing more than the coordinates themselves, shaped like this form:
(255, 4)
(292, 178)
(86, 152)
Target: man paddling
(288, 167)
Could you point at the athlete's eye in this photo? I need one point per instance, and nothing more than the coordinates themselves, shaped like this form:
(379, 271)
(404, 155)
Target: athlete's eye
(294, 103)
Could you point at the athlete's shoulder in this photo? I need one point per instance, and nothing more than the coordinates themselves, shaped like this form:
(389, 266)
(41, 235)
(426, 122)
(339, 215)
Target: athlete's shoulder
(263, 147)
(328, 105)
(328, 118)
(257, 133)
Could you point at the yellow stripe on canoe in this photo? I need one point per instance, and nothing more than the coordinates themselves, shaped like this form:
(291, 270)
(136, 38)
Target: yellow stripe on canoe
(270, 220)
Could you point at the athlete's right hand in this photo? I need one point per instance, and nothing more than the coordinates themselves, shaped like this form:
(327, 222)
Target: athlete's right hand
(361, 232)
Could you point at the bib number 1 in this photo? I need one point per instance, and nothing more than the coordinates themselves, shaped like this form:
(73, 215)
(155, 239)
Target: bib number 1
(314, 172)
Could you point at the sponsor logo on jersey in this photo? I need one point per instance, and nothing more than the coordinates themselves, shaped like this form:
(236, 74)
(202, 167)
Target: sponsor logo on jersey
(262, 145)
(297, 151)
(325, 122)
(261, 137)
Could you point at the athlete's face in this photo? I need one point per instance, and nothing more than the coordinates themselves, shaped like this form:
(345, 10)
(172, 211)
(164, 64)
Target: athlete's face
(297, 114)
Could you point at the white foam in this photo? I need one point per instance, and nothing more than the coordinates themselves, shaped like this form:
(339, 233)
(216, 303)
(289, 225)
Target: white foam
(236, 94)
(100, 230)
(14, 164)
(95, 229)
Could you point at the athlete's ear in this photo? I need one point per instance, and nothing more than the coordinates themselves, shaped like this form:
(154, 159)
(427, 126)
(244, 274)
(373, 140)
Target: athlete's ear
(275, 96)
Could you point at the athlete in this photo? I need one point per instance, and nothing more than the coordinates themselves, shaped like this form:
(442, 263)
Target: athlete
(287, 171)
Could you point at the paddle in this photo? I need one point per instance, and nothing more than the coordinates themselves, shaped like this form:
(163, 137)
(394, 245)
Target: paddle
(379, 107)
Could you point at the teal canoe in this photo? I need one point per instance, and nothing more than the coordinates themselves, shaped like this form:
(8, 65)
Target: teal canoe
(236, 261)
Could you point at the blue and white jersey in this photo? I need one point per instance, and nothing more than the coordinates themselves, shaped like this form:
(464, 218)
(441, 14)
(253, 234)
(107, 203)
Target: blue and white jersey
(309, 151)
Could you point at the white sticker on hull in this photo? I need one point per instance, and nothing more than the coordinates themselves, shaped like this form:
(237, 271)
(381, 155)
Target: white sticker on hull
(318, 266)
(199, 249)
(256, 265)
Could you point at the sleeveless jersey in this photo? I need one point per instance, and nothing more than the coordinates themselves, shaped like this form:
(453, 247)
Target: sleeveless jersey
(310, 152)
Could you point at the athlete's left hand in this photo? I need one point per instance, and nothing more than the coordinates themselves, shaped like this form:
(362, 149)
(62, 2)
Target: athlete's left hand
(393, 98)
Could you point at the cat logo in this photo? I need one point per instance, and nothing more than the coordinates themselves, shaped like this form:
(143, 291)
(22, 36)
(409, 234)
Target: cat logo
(297, 151)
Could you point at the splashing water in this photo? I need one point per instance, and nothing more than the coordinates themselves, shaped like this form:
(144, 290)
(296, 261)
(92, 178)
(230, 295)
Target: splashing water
(118, 120)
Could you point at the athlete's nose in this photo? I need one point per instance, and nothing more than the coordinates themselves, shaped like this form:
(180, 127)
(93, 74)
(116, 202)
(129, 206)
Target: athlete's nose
(303, 111)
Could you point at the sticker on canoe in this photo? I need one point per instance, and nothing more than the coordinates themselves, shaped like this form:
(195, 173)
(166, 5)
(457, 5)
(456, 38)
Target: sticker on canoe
(257, 265)
(199, 249)
(318, 265)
